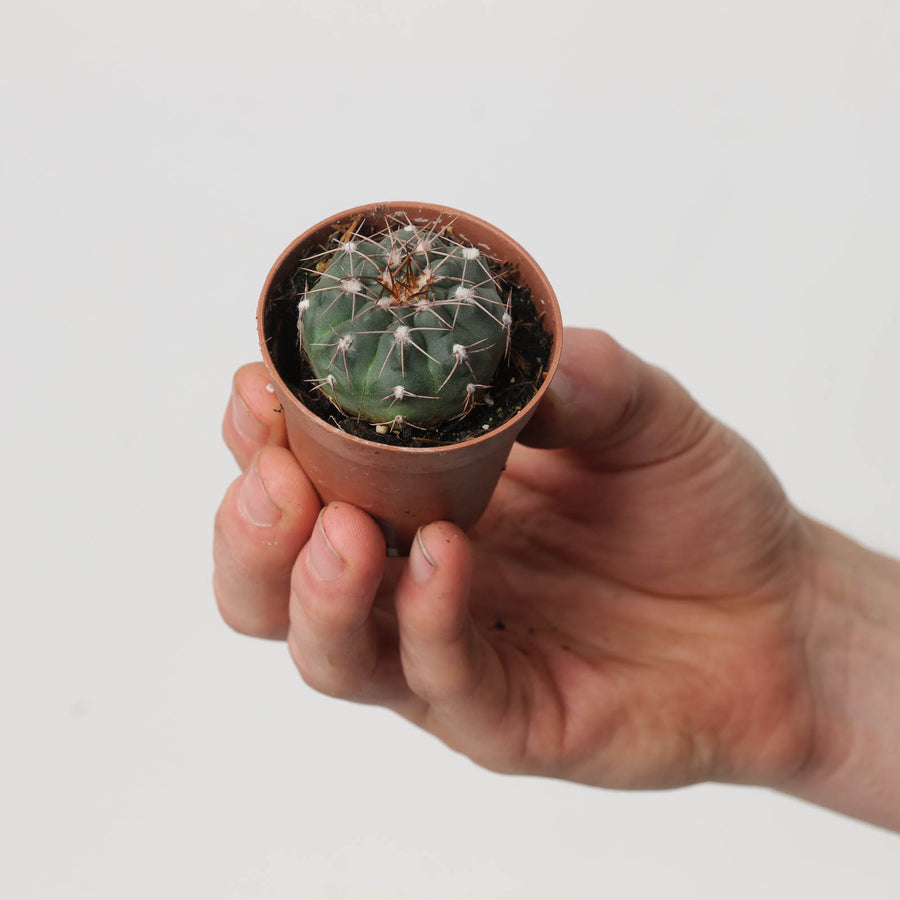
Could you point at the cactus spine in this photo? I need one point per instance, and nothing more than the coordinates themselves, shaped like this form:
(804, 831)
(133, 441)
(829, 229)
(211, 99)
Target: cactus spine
(407, 324)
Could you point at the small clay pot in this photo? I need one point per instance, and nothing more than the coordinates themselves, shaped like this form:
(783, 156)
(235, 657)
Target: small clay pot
(403, 488)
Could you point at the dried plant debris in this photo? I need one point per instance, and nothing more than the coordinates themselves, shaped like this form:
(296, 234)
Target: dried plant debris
(405, 335)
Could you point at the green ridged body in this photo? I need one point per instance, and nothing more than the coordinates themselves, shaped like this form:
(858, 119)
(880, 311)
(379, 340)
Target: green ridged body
(405, 324)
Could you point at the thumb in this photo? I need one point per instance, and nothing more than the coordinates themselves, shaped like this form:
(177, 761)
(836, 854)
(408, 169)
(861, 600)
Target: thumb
(613, 407)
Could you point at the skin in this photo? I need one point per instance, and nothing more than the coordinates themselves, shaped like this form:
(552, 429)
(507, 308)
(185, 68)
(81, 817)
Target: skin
(640, 606)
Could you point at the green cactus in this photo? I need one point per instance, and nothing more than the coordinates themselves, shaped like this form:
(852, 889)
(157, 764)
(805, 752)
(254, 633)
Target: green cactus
(407, 324)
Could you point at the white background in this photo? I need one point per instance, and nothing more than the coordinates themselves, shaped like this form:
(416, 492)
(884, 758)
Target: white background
(716, 183)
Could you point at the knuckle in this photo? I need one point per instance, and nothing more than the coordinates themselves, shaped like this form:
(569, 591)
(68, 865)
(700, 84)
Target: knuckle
(330, 610)
(231, 549)
(450, 685)
(439, 633)
(250, 618)
(342, 682)
(329, 685)
(234, 444)
(340, 619)
(233, 614)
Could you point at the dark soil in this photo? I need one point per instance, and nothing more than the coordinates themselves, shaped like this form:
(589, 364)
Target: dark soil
(515, 383)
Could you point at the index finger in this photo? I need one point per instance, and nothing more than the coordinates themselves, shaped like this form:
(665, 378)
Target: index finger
(253, 418)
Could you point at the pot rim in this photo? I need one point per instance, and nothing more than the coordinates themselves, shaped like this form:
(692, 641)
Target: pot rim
(426, 212)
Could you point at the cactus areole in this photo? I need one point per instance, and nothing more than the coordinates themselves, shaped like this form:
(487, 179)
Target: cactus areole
(404, 325)
(409, 325)
(407, 344)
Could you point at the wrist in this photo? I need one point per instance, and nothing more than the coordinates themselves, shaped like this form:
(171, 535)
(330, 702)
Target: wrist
(852, 643)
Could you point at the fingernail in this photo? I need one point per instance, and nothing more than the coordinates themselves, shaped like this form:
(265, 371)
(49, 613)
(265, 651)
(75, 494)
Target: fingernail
(245, 423)
(256, 504)
(421, 563)
(324, 560)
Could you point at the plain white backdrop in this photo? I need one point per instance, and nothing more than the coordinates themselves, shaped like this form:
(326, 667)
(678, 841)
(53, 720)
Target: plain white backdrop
(716, 183)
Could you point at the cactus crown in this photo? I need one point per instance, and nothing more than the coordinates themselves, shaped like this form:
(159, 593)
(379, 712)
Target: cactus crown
(407, 324)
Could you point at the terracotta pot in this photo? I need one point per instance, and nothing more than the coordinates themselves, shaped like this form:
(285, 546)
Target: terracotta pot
(405, 487)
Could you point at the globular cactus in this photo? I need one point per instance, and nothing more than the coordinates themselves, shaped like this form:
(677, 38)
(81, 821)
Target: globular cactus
(403, 325)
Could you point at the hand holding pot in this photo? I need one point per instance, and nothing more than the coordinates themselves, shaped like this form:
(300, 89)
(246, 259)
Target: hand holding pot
(640, 606)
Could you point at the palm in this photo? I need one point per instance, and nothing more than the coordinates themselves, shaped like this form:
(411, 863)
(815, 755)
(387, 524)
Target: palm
(639, 610)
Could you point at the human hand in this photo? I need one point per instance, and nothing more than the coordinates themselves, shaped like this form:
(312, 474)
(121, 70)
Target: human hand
(629, 612)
